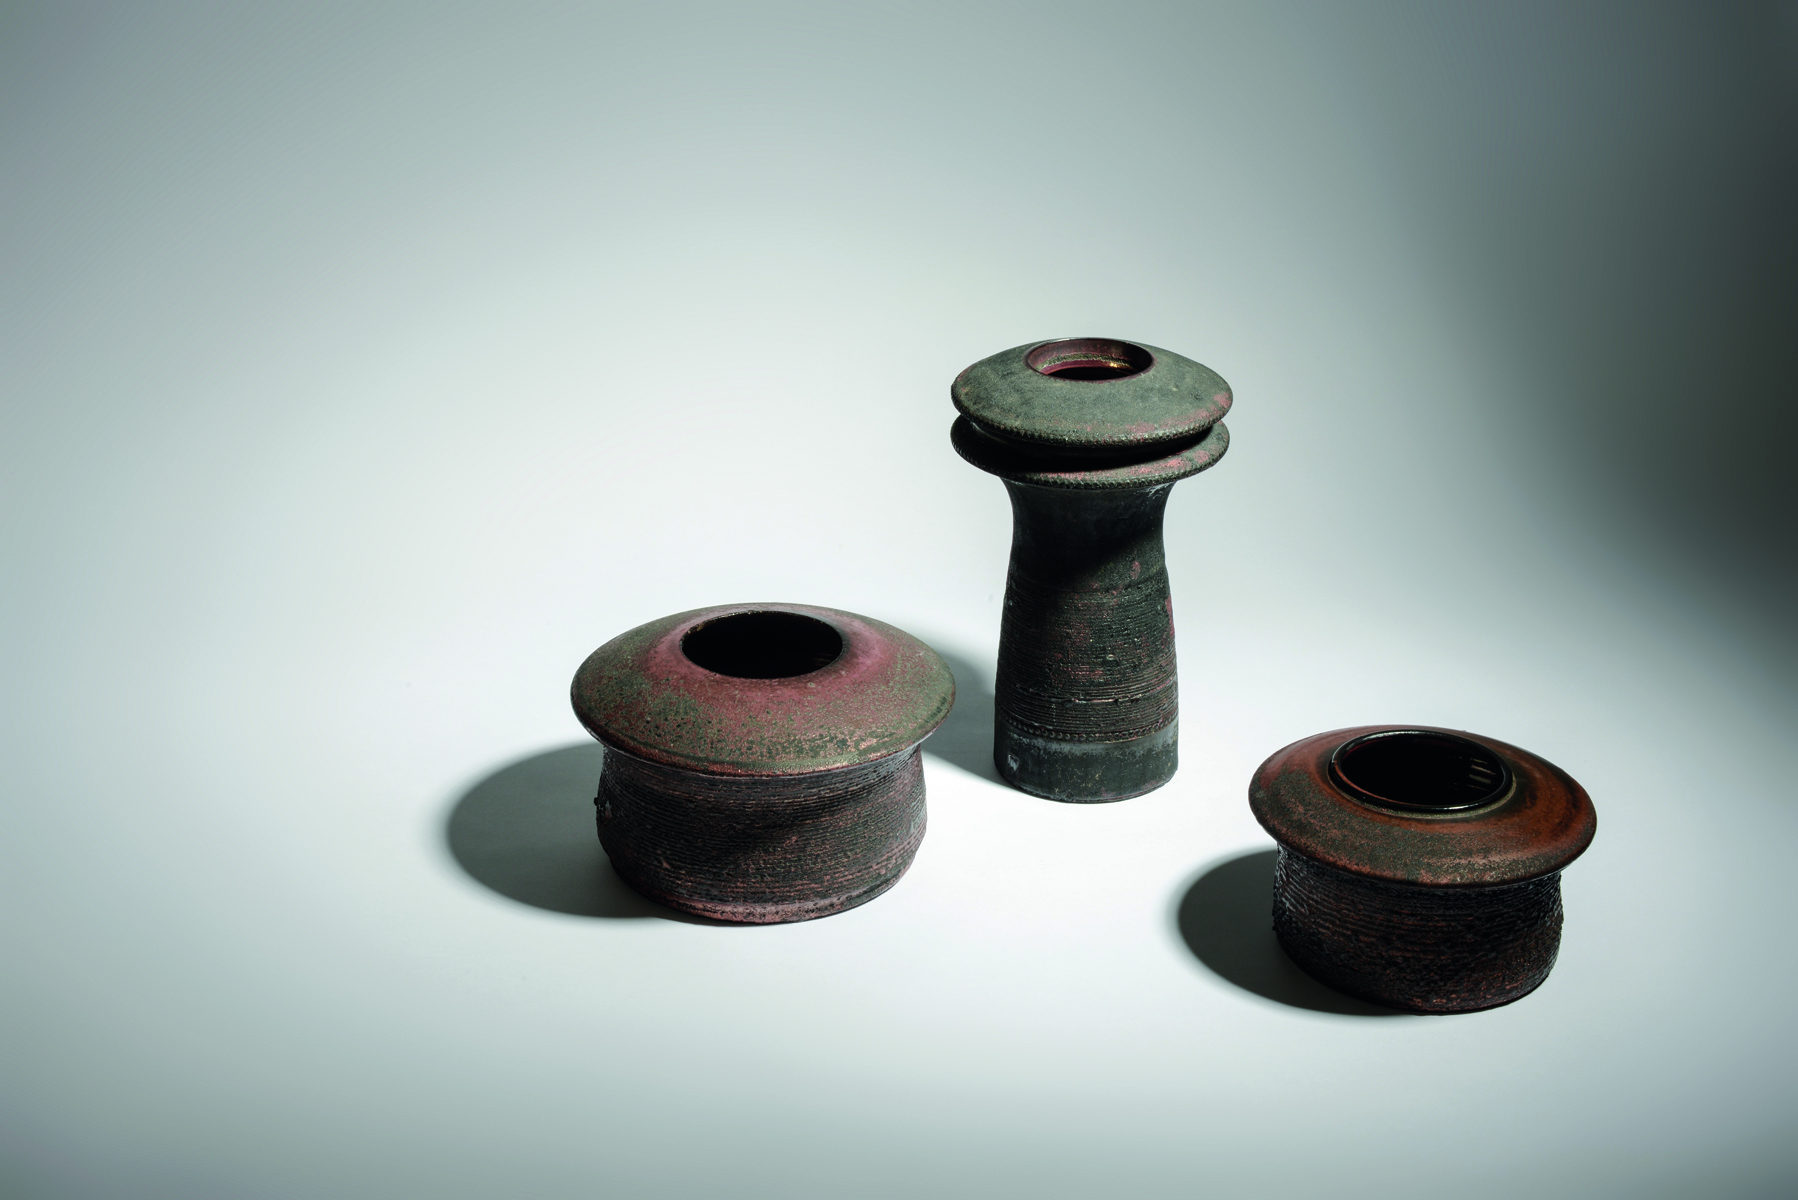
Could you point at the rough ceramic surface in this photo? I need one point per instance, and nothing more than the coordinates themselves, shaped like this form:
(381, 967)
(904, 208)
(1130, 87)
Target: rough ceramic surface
(759, 851)
(641, 693)
(1012, 462)
(1543, 823)
(1089, 435)
(1449, 911)
(1423, 949)
(1171, 399)
(780, 796)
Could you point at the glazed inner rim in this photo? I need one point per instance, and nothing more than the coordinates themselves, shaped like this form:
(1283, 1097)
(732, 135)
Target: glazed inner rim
(1420, 771)
(1093, 359)
(762, 645)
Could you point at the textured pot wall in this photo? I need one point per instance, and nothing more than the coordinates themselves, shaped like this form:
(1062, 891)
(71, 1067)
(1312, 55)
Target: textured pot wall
(1429, 950)
(765, 850)
(1439, 893)
(1086, 645)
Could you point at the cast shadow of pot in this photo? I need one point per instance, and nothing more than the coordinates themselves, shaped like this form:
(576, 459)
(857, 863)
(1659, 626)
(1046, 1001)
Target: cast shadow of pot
(1226, 919)
(526, 831)
(965, 739)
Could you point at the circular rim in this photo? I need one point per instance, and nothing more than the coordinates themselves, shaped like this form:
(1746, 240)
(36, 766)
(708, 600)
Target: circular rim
(1098, 360)
(1173, 399)
(1541, 823)
(885, 692)
(1499, 788)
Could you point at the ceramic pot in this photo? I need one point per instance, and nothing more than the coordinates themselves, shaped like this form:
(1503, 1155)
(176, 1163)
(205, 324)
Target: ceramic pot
(762, 759)
(1420, 868)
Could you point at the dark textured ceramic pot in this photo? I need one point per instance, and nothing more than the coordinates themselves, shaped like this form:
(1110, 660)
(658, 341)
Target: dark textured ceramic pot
(762, 759)
(1089, 435)
(1420, 868)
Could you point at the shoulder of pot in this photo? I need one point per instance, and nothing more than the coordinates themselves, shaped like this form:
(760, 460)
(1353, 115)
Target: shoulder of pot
(1174, 398)
(884, 693)
(1544, 823)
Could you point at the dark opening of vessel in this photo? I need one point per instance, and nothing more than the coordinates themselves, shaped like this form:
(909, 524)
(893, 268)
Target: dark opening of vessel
(762, 645)
(1420, 770)
(1090, 359)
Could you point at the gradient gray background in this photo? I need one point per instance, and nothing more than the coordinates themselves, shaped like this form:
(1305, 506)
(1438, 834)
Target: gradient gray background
(367, 366)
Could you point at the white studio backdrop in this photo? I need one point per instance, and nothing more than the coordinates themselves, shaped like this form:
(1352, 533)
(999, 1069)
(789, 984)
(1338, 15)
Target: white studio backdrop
(366, 368)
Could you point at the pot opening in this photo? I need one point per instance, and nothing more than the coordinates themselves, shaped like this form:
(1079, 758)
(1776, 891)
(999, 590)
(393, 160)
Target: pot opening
(1090, 359)
(1420, 770)
(762, 645)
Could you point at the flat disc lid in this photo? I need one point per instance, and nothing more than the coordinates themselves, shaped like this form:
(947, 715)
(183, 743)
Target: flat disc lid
(763, 689)
(1092, 393)
(1417, 804)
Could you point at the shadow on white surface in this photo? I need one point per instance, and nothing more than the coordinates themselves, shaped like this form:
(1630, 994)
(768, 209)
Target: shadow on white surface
(965, 739)
(526, 831)
(1225, 917)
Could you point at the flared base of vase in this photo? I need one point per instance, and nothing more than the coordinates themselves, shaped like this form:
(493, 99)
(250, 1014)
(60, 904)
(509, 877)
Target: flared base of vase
(1086, 772)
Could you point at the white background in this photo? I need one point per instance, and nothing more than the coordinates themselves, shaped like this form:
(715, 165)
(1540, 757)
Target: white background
(365, 368)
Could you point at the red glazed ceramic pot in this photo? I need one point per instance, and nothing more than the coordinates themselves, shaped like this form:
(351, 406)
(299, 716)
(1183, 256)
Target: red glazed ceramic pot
(1420, 868)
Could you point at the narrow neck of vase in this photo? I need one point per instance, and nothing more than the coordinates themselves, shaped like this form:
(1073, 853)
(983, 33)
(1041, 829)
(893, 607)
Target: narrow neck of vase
(1087, 540)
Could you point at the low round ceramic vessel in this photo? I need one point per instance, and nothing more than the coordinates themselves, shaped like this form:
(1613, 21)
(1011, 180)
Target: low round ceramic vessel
(762, 759)
(1420, 867)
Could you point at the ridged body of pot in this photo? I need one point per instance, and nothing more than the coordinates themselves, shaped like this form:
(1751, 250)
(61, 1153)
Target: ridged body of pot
(1420, 868)
(762, 761)
(1087, 698)
(1090, 436)
(785, 848)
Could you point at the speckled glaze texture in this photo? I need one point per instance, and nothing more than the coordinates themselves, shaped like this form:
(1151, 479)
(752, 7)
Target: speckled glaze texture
(1172, 402)
(1436, 950)
(1087, 704)
(1087, 696)
(1430, 912)
(762, 800)
(787, 848)
(885, 692)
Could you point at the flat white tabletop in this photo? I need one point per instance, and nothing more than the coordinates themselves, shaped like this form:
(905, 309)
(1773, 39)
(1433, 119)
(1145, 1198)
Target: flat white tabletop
(366, 370)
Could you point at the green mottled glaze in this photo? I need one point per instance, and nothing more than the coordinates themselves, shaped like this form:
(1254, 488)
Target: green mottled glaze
(883, 694)
(1173, 400)
(1008, 462)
